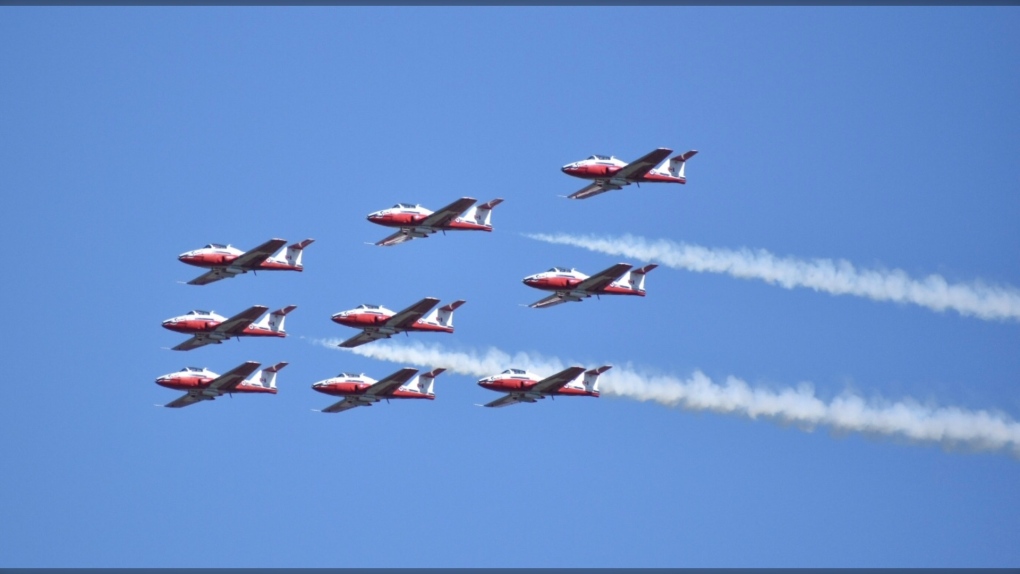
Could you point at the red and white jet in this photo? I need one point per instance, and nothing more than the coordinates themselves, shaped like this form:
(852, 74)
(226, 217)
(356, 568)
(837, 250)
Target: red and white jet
(378, 322)
(205, 385)
(362, 391)
(572, 285)
(226, 261)
(416, 221)
(208, 327)
(611, 173)
(525, 387)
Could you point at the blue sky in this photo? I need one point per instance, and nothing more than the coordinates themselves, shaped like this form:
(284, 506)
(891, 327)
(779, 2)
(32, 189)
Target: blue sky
(883, 136)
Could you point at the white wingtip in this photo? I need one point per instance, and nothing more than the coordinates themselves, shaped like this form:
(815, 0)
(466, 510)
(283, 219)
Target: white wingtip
(179, 282)
(155, 405)
(316, 410)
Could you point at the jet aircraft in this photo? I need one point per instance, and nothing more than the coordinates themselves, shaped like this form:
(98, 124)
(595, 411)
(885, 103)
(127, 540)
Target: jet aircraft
(525, 387)
(226, 261)
(361, 391)
(205, 385)
(378, 322)
(611, 173)
(208, 327)
(416, 221)
(572, 285)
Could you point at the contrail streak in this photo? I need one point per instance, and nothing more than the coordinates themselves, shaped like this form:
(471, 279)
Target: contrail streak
(848, 412)
(838, 277)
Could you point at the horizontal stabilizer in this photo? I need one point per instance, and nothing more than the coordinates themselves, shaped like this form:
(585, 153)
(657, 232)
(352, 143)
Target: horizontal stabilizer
(453, 306)
(277, 367)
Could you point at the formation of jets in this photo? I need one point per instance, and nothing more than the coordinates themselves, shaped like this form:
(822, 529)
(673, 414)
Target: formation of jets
(377, 322)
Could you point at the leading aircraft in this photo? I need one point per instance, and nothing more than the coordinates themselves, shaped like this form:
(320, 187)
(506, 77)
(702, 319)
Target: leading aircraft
(205, 385)
(611, 173)
(226, 261)
(572, 285)
(378, 322)
(416, 221)
(207, 327)
(361, 391)
(525, 387)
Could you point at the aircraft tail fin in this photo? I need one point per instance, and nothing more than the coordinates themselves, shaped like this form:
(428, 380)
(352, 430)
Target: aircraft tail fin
(482, 214)
(591, 379)
(444, 315)
(424, 383)
(267, 377)
(677, 164)
(636, 277)
(295, 251)
(274, 322)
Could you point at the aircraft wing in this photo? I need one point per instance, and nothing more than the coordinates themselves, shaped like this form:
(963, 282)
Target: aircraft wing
(229, 380)
(554, 299)
(511, 399)
(593, 189)
(557, 381)
(240, 322)
(407, 317)
(253, 257)
(345, 404)
(366, 336)
(193, 343)
(447, 214)
(395, 239)
(602, 279)
(210, 277)
(186, 400)
(640, 167)
(391, 383)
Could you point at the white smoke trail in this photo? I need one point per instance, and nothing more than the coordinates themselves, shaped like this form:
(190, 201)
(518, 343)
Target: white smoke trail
(907, 418)
(838, 277)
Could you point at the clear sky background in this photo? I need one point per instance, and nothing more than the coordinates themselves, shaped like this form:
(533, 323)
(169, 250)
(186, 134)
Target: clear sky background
(887, 137)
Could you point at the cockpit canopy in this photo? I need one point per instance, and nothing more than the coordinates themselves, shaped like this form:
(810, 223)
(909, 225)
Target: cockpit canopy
(198, 312)
(513, 372)
(193, 370)
(368, 306)
(348, 376)
(559, 270)
(601, 157)
(404, 206)
(216, 246)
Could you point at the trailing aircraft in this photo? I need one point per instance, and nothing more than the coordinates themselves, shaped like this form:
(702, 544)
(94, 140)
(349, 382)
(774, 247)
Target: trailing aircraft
(611, 173)
(525, 387)
(378, 322)
(361, 391)
(572, 285)
(207, 327)
(417, 221)
(202, 384)
(227, 261)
